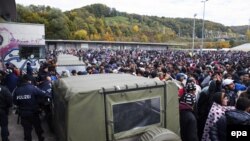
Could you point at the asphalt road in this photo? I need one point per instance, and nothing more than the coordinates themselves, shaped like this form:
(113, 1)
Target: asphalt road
(16, 130)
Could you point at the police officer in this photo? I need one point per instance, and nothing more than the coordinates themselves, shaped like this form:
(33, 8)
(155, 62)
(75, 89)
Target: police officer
(46, 86)
(26, 97)
(5, 104)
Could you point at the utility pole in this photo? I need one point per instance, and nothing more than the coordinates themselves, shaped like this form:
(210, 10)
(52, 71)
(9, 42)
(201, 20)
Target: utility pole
(248, 25)
(202, 39)
(193, 35)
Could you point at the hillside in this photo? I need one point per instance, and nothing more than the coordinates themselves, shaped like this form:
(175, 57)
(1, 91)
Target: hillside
(239, 29)
(99, 22)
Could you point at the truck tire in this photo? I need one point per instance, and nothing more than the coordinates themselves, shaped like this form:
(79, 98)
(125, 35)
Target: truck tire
(159, 134)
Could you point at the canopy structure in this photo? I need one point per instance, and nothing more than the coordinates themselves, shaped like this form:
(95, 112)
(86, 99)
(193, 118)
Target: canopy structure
(8, 10)
(67, 63)
(95, 107)
(243, 47)
(68, 60)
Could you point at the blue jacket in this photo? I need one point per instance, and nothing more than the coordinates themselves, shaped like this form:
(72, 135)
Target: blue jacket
(26, 97)
(238, 117)
(240, 87)
(46, 87)
(11, 81)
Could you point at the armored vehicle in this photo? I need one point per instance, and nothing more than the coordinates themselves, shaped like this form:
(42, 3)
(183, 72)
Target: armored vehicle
(120, 107)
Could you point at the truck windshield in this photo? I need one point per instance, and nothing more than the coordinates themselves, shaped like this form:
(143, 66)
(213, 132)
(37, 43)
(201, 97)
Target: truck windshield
(136, 114)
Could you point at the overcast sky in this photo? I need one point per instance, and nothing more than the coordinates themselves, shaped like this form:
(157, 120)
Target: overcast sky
(226, 12)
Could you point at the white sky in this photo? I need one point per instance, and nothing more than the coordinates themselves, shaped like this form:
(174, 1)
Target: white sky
(226, 12)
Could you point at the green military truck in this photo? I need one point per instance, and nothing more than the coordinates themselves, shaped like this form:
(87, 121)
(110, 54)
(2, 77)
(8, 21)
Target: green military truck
(115, 107)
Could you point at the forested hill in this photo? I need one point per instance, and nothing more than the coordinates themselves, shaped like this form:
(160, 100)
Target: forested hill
(239, 29)
(99, 22)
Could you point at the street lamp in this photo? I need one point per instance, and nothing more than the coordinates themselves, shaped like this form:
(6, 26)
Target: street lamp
(202, 32)
(193, 35)
(248, 25)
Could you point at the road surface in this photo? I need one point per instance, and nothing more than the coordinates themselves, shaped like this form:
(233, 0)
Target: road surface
(16, 130)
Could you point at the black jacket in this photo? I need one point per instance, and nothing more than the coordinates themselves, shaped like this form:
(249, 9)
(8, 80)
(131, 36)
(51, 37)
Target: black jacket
(188, 123)
(5, 99)
(218, 131)
(215, 86)
(202, 110)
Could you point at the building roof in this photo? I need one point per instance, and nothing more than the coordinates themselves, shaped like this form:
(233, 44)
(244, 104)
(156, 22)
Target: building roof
(243, 47)
(114, 42)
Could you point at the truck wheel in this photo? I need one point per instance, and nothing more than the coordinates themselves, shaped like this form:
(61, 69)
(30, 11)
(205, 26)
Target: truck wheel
(159, 134)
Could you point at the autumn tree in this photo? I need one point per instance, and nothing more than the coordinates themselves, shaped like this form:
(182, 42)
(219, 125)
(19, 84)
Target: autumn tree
(223, 44)
(248, 35)
(104, 23)
(144, 38)
(135, 28)
(81, 34)
(108, 37)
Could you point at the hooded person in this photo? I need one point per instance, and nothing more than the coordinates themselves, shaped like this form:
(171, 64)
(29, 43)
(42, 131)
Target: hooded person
(10, 80)
(197, 87)
(190, 90)
(180, 77)
(187, 118)
(29, 69)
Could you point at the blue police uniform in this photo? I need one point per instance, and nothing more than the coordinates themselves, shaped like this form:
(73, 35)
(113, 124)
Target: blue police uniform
(26, 97)
(46, 86)
(5, 104)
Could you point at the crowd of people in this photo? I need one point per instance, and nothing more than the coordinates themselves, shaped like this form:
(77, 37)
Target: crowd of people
(213, 87)
(31, 94)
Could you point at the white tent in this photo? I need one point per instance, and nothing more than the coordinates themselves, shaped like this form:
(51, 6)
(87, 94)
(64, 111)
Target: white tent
(243, 47)
(68, 60)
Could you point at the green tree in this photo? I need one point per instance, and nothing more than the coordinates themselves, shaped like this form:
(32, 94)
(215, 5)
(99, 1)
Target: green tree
(100, 26)
(80, 23)
(58, 25)
(92, 29)
(232, 43)
(72, 15)
(91, 20)
(116, 30)
(102, 22)
(99, 10)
